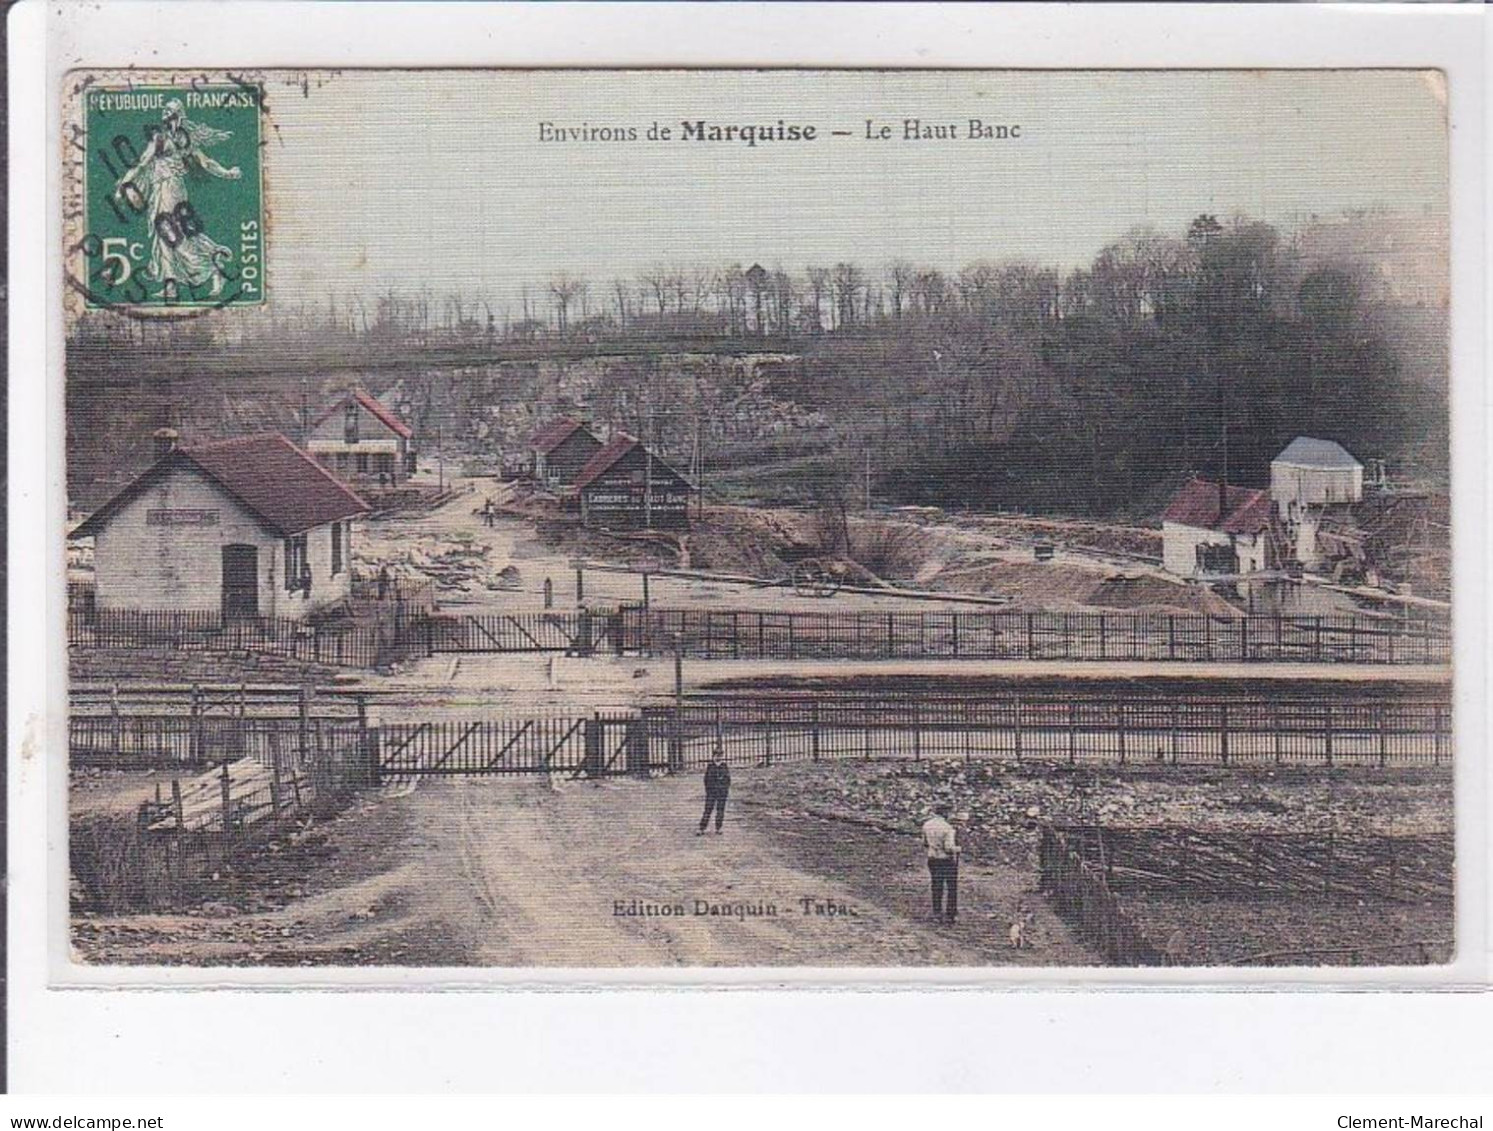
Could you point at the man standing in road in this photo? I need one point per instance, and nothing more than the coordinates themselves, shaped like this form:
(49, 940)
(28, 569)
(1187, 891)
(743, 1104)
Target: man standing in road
(717, 786)
(943, 862)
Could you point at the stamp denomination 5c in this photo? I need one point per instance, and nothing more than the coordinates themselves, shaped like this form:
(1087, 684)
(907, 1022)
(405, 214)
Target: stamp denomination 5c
(172, 201)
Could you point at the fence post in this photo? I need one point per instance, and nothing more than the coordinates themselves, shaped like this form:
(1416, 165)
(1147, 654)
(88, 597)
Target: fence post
(1317, 639)
(1171, 636)
(1120, 725)
(1327, 731)
(1381, 711)
(1072, 724)
(814, 729)
(176, 810)
(1016, 726)
(1223, 732)
(917, 732)
(116, 724)
(227, 788)
(676, 739)
(367, 742)
(303, 728)
(1031, 636)
(194, 741)
(275, 788)
(593, 757)
(429, 635)
(955, 633)
(580, 585)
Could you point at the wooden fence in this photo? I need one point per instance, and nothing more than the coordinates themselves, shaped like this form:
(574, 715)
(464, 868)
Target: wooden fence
(1198, 863)
(1007, 635)
(268, 772)
(1081, 896)
(1089, 871)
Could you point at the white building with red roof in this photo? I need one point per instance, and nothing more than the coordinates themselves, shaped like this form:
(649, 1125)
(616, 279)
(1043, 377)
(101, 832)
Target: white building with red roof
(247, 527)
(362, 441)
(1211, 530)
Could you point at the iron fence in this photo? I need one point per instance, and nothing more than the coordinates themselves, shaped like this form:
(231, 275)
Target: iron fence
(1001, 634)
(334, 643)
(1082, 729)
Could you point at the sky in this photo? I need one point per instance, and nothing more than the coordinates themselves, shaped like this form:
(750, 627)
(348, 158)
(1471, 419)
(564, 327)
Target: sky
(439, 179)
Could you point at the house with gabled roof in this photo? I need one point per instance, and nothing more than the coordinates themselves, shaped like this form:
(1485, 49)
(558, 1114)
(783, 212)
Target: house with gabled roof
(246, 527)
(626, 486)
(1209, 529)
(560, 450)
(363, 441)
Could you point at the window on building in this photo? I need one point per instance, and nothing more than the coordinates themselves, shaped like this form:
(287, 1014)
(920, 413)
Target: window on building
(386, 463)
(342, 460)
(336, 548)
(297, 564)
(362, 461)
(350, 423)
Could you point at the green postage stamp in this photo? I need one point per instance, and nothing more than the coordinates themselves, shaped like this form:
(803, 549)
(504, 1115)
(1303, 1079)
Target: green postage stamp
(173, 201)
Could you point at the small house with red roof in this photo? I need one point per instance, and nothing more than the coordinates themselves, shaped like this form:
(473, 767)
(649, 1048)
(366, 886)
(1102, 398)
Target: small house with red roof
(247, 527)
(560, 449)
(1209, 529)
(625, 486)
(361, 440)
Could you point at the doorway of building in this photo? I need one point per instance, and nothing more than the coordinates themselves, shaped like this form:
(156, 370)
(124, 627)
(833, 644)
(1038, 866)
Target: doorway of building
(240, 582)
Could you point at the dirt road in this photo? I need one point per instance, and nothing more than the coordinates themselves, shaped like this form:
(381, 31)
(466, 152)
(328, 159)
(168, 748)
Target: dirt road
(525, 873)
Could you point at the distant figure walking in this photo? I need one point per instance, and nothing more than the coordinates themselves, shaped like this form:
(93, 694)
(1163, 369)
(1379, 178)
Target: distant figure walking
(383, 582)
(717, 788)
(943, 862)
(487, 513)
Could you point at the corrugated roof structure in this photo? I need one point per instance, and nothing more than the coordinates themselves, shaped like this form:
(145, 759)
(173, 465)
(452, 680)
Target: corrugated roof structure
(553, 434)
(1245, 510)
(280, 484)
(381, 411)
(599, 464)
(1306, 451)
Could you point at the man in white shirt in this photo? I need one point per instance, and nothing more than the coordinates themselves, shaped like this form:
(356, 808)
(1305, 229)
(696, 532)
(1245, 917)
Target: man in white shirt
(943, 862)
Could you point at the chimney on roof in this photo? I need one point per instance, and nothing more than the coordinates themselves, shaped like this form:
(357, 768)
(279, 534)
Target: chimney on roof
(163, 442)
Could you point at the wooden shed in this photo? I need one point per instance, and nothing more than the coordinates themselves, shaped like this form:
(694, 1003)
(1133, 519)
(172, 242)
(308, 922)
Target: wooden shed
(560, 450)
(626, 486)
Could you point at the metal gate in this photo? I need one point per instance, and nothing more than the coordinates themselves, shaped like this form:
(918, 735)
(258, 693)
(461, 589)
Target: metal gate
(582, 746)
(580, 633)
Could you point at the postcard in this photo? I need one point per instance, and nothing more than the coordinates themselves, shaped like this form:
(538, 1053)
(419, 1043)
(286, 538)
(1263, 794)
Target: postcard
(718, 519)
